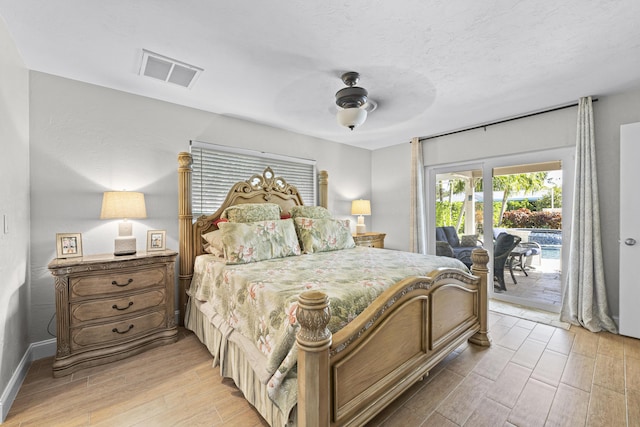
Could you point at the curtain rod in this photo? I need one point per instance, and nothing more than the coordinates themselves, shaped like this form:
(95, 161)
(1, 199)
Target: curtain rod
(562, 107)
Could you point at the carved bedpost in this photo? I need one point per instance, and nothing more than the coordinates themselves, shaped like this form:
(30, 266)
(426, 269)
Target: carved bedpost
(323, 184)
(314, 340)
(480, 258)
(185, 220)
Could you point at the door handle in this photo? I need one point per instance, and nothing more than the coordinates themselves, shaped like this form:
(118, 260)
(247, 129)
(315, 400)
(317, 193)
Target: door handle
(629, 241)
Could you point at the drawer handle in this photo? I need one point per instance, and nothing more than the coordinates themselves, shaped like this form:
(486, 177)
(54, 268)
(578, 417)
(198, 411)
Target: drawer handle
(115, 306)
(123, 332)
(122, 285)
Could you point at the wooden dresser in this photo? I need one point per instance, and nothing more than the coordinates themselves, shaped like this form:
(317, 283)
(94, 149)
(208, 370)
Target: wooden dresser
(370, 240)
(111, 307)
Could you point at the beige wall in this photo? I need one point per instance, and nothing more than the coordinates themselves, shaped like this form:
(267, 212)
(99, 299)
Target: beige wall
(391, 192)
(14, 205)
(87, 139)
(519, 137)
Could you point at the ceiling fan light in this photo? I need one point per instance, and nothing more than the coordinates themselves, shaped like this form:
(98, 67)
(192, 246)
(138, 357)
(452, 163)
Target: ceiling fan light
(352, 117)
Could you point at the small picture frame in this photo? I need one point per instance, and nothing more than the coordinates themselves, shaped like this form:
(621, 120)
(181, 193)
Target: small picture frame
(68, 245)
(156, 240)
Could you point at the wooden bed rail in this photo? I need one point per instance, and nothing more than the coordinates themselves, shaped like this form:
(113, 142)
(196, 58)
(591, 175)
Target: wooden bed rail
(441, 311)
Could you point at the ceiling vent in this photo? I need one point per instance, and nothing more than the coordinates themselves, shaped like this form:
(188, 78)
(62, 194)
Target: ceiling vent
(168, 70)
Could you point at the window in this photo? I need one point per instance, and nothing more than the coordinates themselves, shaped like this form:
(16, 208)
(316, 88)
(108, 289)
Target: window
(217, 167)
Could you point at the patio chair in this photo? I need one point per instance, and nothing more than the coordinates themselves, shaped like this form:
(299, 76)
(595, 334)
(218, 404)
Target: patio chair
(461, 246)
(505, 243)
(536, 251)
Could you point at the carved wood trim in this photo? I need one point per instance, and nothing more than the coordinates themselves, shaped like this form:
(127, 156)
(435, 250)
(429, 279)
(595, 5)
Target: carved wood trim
(62, 317)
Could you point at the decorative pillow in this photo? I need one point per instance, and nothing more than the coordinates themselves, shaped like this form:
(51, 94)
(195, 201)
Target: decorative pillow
(219, 220)
(310, 212)
(252, 212)
(323, 234)
(444, 249)
(256, 241)
(214, 243)
(468, 240)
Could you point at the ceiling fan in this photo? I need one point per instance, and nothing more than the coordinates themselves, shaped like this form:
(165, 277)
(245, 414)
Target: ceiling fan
(354, 102)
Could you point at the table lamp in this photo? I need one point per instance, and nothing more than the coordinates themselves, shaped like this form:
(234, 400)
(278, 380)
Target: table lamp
(361, 208)
(124, 205)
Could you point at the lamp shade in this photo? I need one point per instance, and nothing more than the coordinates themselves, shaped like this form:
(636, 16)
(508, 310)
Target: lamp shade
(123, 204)
(361, 207)
(352, 117)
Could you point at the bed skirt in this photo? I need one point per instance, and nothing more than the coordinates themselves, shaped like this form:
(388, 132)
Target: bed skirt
(234, 364)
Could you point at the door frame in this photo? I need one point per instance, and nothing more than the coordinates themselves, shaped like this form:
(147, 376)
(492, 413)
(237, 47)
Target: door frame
(565, 154)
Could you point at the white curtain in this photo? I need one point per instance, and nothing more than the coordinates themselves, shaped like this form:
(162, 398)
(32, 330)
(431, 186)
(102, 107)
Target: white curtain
(418, 219)
(585, 295)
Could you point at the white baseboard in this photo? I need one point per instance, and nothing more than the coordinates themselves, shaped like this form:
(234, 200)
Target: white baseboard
(35, 351)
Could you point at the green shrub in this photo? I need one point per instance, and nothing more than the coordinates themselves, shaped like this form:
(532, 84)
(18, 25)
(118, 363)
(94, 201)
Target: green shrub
(524, 218)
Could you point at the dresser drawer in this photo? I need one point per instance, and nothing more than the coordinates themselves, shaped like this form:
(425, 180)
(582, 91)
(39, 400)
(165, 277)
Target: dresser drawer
(372, 244)
(115, 306)
(377, 244)
(121, 330)
(116, 282)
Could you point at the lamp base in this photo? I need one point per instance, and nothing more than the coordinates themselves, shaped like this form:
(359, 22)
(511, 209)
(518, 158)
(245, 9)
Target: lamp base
(125, 245)
(360, 227)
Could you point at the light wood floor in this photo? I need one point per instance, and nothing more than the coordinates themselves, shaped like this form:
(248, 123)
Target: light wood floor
(532, 375)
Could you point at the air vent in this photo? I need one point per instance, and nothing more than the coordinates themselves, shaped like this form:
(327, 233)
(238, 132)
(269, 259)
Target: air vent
(168, 70)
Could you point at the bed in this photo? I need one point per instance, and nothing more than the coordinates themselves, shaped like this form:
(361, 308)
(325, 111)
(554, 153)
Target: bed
(327, 363)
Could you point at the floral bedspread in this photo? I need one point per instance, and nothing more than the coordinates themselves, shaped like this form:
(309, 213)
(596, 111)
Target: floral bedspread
(259, 300)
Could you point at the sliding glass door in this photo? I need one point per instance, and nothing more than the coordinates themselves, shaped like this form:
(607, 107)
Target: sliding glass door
(527, 196)
(528, 210)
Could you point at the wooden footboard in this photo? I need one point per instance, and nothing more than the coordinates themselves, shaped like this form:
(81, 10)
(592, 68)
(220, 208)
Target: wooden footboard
(348, 378)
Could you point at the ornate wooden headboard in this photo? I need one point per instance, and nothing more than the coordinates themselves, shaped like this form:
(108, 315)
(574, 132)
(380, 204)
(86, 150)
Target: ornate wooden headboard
(260, 188)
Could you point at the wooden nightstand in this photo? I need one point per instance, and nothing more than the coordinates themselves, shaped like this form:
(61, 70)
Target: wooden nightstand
(111, 307)
(370, 240)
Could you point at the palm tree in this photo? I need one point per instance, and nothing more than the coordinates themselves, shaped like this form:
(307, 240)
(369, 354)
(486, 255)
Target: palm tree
(509, 184)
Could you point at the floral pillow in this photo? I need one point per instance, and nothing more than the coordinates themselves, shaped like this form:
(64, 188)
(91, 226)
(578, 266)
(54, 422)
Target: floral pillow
(214, 243)
(310, 212)
(246, 242)
(252, 212)
(323, 234)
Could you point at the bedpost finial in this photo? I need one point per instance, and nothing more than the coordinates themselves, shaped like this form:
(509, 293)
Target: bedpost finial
(313, 314)
(480, 258)
(184, 160)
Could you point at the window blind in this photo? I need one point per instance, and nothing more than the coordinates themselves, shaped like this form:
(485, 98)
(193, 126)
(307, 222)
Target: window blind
(217, 167)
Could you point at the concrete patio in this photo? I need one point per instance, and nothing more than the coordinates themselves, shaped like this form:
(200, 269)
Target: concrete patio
(542, 285)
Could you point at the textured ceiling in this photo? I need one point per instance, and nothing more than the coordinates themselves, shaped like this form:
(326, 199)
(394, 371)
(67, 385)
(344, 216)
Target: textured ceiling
(432, 66)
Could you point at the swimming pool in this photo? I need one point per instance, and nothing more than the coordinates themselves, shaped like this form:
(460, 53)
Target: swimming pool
(551, 251)
(549, 240)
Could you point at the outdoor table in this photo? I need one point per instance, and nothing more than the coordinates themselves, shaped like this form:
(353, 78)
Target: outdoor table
(517, 258)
